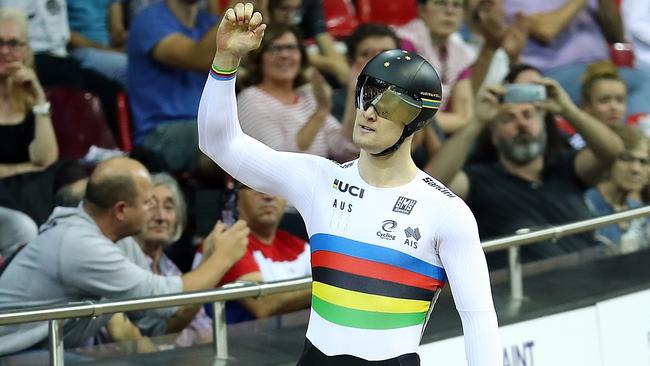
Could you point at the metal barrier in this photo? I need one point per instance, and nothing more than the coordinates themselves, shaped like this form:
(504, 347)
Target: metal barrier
(236, 291)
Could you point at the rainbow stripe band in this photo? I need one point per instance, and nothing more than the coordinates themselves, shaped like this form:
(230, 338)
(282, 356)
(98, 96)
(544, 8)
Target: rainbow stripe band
(222, 74)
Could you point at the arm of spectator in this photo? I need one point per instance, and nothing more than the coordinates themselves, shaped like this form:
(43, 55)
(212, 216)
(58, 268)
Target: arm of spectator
(461, 108)
(265, 306)
(464, 262)
(546, 26)
(350, 110)
(117, 24)
(43, 150)
(610, 21)
(78, 40)
(121, 329)
(637, 17)
(329, 59)
(491, 22)
(603, 145)
(179, 51)
(8, 170)
(323, 95)
(222, 249)
(516, 37)
(447, 163)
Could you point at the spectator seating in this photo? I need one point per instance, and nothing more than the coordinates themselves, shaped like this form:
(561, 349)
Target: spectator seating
(389, 12)
(124, 122)
(79, 122)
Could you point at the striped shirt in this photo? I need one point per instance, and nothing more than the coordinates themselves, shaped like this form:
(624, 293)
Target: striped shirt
(268, 120)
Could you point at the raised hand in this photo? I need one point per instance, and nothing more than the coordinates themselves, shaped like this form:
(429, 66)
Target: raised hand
(229, 245)
(558, 101)
(240, 31)
(487, 104)
(322, 91)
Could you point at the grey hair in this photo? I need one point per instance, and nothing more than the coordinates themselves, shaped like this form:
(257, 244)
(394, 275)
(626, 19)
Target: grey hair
(164, 179)
(16, 16)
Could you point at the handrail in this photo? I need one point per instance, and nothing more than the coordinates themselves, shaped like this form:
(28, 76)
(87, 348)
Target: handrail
(238, 291)
(556, 232)
(243, 290)
(92, 309)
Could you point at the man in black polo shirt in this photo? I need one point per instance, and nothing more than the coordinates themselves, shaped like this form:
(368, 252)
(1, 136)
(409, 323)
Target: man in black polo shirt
(526, 187)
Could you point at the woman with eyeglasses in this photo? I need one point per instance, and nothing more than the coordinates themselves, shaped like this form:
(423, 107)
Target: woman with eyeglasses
(433, 34)
(287, 106)
(620, 191)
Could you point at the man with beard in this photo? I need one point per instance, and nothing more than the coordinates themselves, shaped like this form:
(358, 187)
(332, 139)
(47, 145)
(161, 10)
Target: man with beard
(527, 187)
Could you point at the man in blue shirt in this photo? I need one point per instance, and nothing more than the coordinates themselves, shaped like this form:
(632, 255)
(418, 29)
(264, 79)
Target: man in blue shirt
(170, 46)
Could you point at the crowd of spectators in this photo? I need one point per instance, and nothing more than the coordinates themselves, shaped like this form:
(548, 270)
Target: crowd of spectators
(574, 155)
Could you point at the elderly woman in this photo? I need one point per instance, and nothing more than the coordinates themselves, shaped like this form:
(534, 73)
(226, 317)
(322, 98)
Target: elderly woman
(620, 191)
(286, 107)
(434, 35)
(164, 226)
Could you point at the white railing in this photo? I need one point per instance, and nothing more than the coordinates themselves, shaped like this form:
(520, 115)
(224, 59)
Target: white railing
(55, 315)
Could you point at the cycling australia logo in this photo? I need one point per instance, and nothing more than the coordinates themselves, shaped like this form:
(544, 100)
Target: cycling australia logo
(354, 191)
(387, 228)
(412, 237)
(404, 205)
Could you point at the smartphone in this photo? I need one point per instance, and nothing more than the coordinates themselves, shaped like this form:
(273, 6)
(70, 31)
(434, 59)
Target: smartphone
(524, 93)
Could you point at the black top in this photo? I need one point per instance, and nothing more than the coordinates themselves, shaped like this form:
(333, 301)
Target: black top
(504, 203)
(15, 140)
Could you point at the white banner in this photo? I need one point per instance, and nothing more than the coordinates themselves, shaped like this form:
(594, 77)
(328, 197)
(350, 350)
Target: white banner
(625, 330)
(569, 339)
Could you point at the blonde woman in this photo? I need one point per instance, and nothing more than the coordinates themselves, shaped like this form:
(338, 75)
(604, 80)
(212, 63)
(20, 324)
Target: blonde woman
(27, 140)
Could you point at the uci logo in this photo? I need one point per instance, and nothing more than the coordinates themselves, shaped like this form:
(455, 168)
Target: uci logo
(345, 187)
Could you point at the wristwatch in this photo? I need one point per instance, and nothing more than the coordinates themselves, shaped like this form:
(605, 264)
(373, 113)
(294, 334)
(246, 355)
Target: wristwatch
(42, 109)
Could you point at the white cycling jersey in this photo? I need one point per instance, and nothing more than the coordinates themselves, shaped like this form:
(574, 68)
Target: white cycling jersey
(379, 256)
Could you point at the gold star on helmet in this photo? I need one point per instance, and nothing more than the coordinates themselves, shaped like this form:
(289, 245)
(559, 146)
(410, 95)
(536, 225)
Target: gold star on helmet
(386, 64)
(408, 58)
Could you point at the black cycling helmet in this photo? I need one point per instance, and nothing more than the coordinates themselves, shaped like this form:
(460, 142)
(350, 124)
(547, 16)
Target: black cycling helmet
(402, 87)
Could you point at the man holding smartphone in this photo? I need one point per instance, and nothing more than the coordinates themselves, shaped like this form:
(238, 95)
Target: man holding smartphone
(528, 186)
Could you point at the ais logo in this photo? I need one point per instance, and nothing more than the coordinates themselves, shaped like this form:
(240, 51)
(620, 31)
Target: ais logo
(345, 187)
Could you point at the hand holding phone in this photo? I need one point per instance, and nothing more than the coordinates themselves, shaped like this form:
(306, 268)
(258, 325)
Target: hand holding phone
(524, 93)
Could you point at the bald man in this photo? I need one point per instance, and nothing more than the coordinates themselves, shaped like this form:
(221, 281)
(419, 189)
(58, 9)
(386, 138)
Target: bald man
(75, 258)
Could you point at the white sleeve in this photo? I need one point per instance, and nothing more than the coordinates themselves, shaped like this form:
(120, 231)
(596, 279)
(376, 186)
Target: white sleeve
(636, 16)
(464, 262)
(286, 174)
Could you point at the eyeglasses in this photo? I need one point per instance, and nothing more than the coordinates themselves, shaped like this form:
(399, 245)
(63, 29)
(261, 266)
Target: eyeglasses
(627, 157)
(277, 49)
(455, 4)
(12, 44)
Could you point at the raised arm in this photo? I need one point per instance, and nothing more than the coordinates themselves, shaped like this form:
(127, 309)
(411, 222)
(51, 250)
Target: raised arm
(603, 145)
(288, 175)
(546, 26)
(464, 262)
(447, 164)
